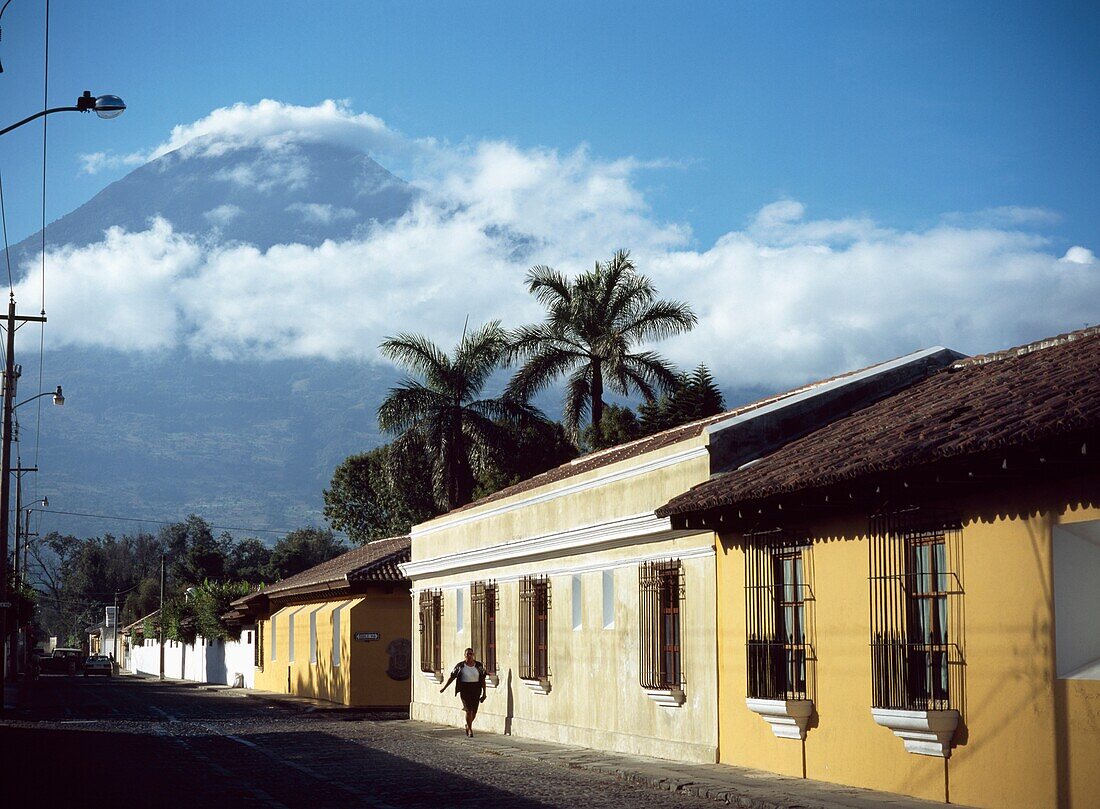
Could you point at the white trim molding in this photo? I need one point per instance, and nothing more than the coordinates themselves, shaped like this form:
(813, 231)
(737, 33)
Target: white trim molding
(667, 697)
(633, 530)
(537, 686)
(926, 733)
(475, 514)
(789, 718)
(433, 676)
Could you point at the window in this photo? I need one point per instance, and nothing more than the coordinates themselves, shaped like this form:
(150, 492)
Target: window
(534, 632)
(313, 636)
(274, 643)
(431, 615)
(483, 623)
(290, 635)
(778, 650)
(660, 594)
(916, 656)
(336, 635)
(609, 599)
(258, 649)
(578, 604)
(460, 617)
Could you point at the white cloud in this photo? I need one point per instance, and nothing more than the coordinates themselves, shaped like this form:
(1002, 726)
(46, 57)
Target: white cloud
(1079, 255)
(320, 213)
(784, 300)
(223, 214)
(268, 123)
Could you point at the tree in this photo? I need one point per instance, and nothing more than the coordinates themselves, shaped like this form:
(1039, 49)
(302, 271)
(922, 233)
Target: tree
(247, 560)
(381, 493)
(302, 549)
(695, 396)
(194, 552)
(592, 325)
(618, 425)
(532, 448)
(461, 432)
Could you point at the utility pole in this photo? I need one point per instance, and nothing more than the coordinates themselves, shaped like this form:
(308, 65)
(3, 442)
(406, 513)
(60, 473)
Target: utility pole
(10, 376)
(160, 616)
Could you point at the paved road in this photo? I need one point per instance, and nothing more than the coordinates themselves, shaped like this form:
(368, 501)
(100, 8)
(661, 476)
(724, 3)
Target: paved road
(130, 742)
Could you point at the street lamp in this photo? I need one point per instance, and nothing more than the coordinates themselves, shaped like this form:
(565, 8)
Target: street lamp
(106, 106)
(58, 398)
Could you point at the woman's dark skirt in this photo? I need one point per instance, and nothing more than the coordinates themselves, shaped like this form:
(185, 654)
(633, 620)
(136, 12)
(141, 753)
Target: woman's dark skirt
(471, 695)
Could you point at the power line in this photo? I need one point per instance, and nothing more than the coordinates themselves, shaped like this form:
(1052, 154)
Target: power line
(280, 531)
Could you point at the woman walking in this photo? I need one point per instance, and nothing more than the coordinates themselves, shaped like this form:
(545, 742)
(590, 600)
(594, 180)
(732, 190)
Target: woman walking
(470, 675)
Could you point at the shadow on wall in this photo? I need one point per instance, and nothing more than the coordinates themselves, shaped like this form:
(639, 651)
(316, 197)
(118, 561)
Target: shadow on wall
(354, 773)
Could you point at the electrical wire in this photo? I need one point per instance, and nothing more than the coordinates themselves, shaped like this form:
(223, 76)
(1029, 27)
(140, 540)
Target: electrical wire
(42, 325)
(4, 218)
(241, 529)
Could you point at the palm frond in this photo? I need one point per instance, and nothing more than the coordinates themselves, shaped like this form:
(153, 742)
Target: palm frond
(407, 406)
(660, 320)
(418, 354)
(540, 370)
(578, 401)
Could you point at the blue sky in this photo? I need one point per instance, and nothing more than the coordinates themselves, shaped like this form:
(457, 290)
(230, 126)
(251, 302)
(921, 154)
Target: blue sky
(829, 185)
(900, 112)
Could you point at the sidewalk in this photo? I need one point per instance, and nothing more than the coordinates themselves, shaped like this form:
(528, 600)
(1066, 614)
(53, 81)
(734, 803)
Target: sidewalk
(722, 783)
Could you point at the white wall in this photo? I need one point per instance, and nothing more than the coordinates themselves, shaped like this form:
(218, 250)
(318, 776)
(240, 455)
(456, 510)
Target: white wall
(202, 662)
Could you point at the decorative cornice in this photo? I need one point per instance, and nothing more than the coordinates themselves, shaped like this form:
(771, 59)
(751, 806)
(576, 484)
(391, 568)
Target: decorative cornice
(652, 465)
(541, 687)
(632, 530)
(668, 697)
(592, 567)
(926, 733)
(789, 718)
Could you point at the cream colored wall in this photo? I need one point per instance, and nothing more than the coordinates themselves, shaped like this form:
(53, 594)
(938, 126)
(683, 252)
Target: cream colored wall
(1016, 747)
(595, 698)
(496, 522)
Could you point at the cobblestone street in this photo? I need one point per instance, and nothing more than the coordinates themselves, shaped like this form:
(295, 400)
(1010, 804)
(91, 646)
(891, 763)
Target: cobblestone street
(140, 742)
(152, 743)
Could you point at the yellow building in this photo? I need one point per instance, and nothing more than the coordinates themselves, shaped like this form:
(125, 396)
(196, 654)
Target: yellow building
(909, 598)
(338, 631)
(596, 617)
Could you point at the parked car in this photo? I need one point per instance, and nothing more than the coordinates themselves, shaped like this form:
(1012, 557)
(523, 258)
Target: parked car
(62, 661)
(99, 664)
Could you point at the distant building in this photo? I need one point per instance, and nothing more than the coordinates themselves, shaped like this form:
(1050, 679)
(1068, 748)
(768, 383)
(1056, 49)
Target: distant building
(338, 631)
(909, 598)
(595, 616)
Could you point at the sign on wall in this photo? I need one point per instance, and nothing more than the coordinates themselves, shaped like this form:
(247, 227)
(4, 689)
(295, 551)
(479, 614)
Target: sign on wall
(368, 636)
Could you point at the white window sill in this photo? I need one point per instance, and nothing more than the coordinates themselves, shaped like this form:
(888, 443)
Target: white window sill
(926, 733)
(492, 681)
(538, 686)
(432, 676)
(666, 697)
(789, 718)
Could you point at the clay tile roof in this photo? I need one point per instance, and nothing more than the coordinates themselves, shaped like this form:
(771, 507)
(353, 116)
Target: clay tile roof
(1016, 397)
(375, 561)
(640, 446)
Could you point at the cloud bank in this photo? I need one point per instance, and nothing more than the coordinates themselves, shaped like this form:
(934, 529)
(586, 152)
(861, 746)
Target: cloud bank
(784, 298)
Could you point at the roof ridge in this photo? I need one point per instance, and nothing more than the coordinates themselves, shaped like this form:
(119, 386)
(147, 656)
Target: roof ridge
(1027, 348)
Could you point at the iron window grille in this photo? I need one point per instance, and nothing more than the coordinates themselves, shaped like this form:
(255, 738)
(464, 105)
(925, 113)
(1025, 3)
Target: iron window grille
(431, 618)
(534, 629)
(483, 623)
(660, 606)
(917, 659)
(779, 644)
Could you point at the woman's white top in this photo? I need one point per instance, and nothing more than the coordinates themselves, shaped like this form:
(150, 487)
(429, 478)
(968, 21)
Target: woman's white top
(469, 674)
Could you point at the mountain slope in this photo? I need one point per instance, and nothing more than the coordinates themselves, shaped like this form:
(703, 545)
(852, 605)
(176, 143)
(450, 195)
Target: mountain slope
(247, 443)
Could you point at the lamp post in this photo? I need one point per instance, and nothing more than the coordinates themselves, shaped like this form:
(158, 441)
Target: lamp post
(105, 106)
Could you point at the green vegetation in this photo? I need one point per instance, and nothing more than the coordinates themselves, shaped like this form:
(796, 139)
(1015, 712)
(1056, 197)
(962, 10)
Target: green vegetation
(592, 326)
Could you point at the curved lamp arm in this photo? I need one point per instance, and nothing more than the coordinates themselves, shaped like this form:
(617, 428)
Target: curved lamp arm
(58, 397)
(107, 106)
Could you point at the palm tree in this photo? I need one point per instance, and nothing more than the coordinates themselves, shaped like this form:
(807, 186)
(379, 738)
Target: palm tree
(592, 323)
(463, 434)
